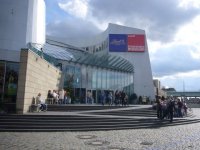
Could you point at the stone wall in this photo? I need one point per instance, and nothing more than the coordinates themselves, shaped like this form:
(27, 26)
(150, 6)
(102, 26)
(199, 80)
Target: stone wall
(35, 75)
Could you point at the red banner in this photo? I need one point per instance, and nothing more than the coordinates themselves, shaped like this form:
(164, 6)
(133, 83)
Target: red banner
(136, 43)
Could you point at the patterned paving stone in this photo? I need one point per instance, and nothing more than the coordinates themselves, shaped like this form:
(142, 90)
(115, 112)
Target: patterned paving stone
(178, 137)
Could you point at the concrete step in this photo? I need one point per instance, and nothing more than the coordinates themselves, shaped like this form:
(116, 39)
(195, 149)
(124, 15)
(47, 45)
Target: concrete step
(116, 121)
(67, 107)
(92, 127)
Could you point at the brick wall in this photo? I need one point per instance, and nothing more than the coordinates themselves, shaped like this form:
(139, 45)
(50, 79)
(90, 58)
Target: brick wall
(35, 75)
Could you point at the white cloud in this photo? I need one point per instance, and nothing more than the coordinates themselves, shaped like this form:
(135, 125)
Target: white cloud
(196, 54)
(182, 81)
(189, 33)
(189, 3)
(77, 8)
(183, 51)
(80, 9)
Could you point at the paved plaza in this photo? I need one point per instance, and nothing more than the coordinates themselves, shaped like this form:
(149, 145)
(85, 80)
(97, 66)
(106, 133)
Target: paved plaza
(178, 137)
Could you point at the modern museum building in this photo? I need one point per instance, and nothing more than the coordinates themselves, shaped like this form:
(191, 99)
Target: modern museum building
(31, 63)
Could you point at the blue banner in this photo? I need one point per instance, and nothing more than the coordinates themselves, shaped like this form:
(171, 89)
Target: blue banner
(118, 43)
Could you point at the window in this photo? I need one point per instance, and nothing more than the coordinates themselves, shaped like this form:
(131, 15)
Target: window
(94, 79)
(72, 77)
(11, 80)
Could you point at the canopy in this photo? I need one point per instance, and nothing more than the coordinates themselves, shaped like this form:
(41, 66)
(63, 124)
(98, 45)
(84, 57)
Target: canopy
(62, 51)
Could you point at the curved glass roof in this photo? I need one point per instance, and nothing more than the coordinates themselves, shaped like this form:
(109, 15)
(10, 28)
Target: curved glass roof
(61, 51)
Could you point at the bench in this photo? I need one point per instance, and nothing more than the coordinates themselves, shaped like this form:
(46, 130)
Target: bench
(34, 107)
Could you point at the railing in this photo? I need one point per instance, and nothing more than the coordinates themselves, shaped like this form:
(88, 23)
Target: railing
(43, 55)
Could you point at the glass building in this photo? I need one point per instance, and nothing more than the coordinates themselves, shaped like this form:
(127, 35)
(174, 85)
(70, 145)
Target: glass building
(83, 71)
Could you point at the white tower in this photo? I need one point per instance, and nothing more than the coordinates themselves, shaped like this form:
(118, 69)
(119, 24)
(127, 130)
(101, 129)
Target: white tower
(21, 22)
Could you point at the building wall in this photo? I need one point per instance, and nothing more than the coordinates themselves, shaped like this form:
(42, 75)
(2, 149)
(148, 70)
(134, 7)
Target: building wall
(21, 22)
(35, 75)
(36, 22)
(143, 80)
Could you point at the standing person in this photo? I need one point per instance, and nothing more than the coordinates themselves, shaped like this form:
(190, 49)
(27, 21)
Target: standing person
(120, 97)
(110, 97)
(65, 97)
(185, 108)
(102, 98)
(180, 105)
(126, 100)
(140, 100)
(170, 109)
(89, 97)
(159, 108)
(69, 100)
(55, 97)
(123, 98)
(61, 96)
(116, 97)
(50, 97)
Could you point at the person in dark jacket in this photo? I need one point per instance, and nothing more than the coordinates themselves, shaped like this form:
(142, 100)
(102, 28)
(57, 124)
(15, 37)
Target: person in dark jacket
(170, 109)
(180, 105)
(159, 108)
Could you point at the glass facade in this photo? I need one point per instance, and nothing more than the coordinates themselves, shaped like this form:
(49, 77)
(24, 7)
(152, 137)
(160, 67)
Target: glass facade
(72, 77)
(97, 79)
(106, 79)
(84, 71)
(8, 85)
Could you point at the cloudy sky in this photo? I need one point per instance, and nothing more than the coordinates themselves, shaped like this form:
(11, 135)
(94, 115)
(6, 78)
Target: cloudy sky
(172, 28)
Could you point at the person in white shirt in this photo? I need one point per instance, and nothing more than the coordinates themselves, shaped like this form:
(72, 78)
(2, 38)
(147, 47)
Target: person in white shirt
(41, 102)
(61, 96)
(55, 97)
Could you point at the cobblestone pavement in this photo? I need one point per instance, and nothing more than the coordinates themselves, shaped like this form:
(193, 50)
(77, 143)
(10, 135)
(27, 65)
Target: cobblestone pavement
(182, 137)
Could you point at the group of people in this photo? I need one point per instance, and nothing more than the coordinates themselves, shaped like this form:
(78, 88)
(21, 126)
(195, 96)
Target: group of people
(109, 97)
(117, 98)
(171, 107)
(58, 97)
(102, 97)
(62, 97)
(121, 98)
(54, 97)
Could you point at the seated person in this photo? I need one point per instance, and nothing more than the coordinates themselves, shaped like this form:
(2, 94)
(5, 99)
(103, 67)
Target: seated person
(40, 100)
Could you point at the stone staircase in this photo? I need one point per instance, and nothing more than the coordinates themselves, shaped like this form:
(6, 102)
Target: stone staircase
(95, 121)
(57, 107)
